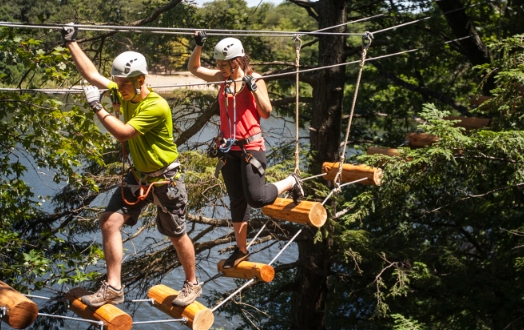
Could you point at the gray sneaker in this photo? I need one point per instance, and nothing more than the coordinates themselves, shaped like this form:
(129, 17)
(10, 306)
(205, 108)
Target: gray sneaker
(105, 295)
(188, 294)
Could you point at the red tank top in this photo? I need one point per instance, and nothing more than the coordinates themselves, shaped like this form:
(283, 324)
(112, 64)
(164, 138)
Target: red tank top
(247, 118)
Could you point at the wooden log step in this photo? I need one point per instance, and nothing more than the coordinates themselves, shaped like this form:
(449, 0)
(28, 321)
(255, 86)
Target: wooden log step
(383, 151)
(420, 140)
(475, 101)
(470, 123)
(113, 317)
(352, 173)
(306, 212)
(249, 270)
(198, 316)
(20, 312)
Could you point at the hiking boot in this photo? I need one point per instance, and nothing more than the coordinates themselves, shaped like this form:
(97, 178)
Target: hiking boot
(235, 258)
(296, 191)
(188, 294)
(105, 295)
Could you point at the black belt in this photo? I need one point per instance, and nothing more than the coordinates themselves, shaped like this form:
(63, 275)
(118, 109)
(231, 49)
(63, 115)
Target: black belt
(248, 140)
(249, 158)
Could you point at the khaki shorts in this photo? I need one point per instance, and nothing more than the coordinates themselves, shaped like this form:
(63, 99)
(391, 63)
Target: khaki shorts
(171, 223)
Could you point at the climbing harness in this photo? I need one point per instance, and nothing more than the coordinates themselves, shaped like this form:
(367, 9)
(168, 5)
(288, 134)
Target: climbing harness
(248, 157)
(221, 146)
(143, 186)
(228, 143)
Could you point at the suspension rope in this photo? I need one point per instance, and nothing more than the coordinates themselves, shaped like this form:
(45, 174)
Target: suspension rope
(149, 300)
(100, 323)
(217, 275)
(183, 320)
(221, 32)
(233, 294)
(79, 91)
(314, 176)
(298, 46)
(253, 279)
(340, 186)
(429, 17)
(259, 232)
(366, 42)
(285, 246)
(347, 23)
(166, 30)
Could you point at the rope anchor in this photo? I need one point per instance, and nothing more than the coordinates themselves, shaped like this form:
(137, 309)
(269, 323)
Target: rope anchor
(367, 38)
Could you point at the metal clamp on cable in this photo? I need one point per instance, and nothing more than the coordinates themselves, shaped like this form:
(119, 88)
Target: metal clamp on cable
(226, 146)
(367, 37)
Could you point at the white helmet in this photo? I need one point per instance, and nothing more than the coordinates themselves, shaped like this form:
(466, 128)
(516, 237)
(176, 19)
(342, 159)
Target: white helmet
(227, 49)
(129, 64)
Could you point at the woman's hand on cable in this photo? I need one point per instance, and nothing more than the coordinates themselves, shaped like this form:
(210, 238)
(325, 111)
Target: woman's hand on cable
(200, 38)
(250, 83)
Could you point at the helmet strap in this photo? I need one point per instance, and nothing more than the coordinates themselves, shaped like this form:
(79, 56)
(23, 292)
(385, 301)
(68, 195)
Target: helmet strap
(137, 89)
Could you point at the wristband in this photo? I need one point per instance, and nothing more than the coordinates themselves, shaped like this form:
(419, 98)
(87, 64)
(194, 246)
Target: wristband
(96, 106)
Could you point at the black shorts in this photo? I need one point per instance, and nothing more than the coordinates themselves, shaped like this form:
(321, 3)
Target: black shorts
(245, 186)
(170, 219)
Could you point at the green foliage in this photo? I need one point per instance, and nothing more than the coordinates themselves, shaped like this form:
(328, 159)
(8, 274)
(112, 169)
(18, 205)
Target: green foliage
(508, 72)
(38, 134)
(440, 224)
(401, 323)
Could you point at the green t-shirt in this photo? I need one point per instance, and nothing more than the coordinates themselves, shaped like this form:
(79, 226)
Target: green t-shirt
(154, 148)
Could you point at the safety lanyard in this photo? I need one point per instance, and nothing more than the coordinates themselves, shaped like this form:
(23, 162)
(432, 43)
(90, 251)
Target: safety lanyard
(231, 140)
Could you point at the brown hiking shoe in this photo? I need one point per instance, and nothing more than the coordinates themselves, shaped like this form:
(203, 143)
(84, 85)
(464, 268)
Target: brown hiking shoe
(188, 294)
(105, 295)
(235, 258)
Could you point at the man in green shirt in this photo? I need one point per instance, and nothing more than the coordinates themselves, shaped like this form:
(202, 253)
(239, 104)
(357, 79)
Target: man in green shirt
(148, 129)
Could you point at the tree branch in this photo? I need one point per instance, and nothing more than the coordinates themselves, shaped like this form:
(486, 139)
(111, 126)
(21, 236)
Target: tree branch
(422, 90)
(212, 110)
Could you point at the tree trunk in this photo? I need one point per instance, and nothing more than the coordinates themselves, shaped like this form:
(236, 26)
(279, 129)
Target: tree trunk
(308, 302)
(309, 299)
(328, 89)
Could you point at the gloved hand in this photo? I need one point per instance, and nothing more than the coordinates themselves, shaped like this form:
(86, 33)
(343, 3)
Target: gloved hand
(69, 32)
(113, 95)
(200, 38)
(250, 82)
(93, 98)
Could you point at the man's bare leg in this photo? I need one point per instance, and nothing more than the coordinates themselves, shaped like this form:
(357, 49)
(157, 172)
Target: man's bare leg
(110, 224)
(186, 254)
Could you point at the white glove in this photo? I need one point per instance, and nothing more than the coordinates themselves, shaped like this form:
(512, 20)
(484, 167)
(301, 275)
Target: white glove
(92, 94)
(93, 98)
(69, 32)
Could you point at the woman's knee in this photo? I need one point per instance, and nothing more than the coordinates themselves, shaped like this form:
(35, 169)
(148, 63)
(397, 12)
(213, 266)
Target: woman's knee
(256, 201)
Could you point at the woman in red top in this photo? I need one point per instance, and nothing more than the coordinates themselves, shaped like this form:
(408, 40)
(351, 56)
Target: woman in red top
(243, 101)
